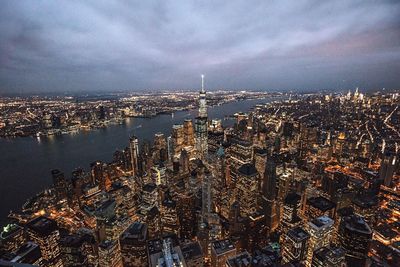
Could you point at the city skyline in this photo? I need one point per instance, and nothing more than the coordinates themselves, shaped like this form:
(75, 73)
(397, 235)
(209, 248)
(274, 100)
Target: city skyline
(200, 133)
(282, 184)
(99, 46)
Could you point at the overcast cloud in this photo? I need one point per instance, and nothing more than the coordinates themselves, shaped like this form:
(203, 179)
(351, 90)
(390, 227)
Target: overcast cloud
(135, 45)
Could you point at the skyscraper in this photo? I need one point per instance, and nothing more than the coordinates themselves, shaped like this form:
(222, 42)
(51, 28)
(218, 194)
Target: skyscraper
(177, 139)
(44, 232)
(11, 238)
(328, 257)
(320, 230)
(388, 167)
(291, 206)
(247, 189)
(133, 245)
(134, 151)
(60, 184)
(203, 233)
(201, 124)
(110, 254)
(355, 236)
(221, 250)
(295, 245)
(268, 198)
(188, 132)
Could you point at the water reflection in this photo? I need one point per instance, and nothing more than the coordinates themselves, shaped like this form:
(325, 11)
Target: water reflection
(25, 163)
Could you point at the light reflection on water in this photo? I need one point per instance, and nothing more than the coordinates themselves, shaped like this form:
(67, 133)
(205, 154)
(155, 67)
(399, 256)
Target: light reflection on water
(25, 163)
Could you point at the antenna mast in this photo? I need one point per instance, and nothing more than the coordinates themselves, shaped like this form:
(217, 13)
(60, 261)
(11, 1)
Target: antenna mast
(202, 83)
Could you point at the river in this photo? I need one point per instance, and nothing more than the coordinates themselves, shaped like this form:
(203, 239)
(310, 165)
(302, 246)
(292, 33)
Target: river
(26, 162)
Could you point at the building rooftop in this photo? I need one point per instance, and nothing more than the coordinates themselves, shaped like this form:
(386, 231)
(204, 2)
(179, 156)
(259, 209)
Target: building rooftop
(261, 151)
(321, 203)
(156, 245)
(9, 230)
(292, 198)
(222, 246)
(365, 201)
(332, 254)
(28, 253)
(356, 223)
(321, 222)
(42, 225)
(107, 244)
(298, 234)
(248, 169)
(137, 231)
(241, 260)
(72, 241)
(150, 187)
(266, 257)
(192, 251)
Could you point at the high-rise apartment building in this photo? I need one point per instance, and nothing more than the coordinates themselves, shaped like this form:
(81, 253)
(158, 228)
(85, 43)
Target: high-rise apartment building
(44, 232)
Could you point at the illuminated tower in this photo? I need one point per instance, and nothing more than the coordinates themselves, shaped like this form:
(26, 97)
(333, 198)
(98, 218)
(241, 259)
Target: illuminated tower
(355, 237)
(320, 230)
(201, 124)
(44, 232)
(268, 198)
(387, 169)
(204, 225)
(295, 245)
(134, 151)
(188, 132)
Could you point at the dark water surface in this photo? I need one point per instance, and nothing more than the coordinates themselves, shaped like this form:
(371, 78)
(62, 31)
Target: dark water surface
(25, 163)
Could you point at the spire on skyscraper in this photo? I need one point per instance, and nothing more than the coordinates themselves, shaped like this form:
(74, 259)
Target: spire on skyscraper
(202, 83)
(202, 100)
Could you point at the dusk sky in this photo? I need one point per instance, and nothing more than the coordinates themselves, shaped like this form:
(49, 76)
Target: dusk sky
(58, 46)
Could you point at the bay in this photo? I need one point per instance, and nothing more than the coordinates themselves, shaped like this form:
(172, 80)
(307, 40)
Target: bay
(25, 163)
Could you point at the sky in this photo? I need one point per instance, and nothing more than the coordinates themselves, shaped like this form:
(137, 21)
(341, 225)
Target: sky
(60, 46)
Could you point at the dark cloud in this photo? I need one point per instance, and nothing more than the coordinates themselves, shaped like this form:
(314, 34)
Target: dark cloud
(128, 45)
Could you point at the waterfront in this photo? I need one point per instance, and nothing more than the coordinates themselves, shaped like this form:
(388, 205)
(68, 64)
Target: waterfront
(25, 163)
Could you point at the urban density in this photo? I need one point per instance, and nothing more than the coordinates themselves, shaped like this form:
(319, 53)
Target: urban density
(307, 180)
(45, 115)
(187, 133)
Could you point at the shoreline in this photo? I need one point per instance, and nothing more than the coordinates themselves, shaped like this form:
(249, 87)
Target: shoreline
(75, 129)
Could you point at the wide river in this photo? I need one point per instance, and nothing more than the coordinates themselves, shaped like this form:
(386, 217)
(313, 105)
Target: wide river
(25, 163)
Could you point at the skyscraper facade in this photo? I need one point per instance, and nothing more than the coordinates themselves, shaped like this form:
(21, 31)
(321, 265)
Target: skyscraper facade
(44, 232)
(320, 230)
(201, 124)
(134, 151)
(355, 237)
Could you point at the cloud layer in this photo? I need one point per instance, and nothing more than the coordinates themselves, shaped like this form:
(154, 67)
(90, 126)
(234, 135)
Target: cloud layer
(138, 45)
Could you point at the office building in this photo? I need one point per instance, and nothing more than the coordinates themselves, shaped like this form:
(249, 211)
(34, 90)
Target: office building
(133, 243)
(247, 189)
(110, 254)
(355, 237)
(44, 232)
(134, 153)
(389, 164)
(201, 124)
(319, 206)
(329, 257)
(320, 230)
(240, 260)
(295, 245)
(268, 199)
(11, 238)
(221, 250)
(193, 254)
(188, 133)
